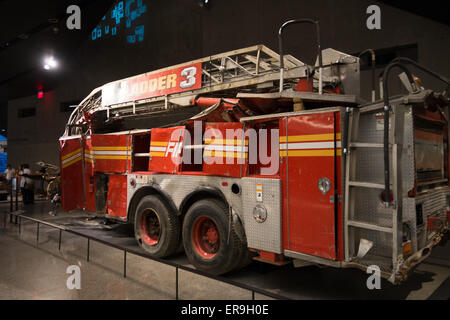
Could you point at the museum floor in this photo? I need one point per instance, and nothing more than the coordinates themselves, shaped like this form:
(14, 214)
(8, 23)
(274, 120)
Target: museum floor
(31, 270)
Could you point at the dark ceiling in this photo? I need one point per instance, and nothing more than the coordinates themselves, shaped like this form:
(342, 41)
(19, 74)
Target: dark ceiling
(436, 10)
(32, 30)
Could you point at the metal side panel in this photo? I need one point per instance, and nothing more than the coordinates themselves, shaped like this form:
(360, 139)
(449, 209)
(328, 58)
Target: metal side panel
(408, 159)
(371, 127)
(180, 186)
(370, 161)
(409, 217)
(260, 235)
(263, 235)
(433, 204)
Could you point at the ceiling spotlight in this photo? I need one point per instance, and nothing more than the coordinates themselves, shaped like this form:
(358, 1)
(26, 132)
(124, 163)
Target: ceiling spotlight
(50, 63)
(203, 4)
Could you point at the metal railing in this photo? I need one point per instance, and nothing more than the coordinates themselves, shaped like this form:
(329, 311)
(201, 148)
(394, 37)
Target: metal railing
(126, 251)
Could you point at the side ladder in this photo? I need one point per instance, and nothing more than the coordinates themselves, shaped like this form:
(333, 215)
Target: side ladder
(356, 145)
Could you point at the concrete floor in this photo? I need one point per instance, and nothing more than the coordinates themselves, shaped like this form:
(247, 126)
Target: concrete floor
(38, 271)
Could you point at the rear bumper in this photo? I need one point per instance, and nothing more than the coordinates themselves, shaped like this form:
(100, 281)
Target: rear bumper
(404, 267)
(418, 257)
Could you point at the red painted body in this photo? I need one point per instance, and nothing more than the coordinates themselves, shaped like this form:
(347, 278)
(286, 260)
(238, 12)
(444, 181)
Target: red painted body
(166, 147)
(89, 175)
(111, 152)
(224, 154)
(309, 219)
(271, 257)
(116, 204)
(153, 84)
(71, 177)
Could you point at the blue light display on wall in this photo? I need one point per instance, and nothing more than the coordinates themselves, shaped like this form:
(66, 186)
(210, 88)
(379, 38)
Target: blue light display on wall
(125, 14)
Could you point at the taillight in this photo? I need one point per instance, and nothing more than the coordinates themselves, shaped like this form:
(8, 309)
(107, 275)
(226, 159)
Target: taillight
(407, 248)
(435, 223)
(383, 196)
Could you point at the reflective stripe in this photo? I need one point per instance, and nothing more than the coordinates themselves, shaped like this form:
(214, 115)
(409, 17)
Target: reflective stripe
(71, 158)
(68, 163)
(163, 149)
(111, 152)
(159, 143)
(71, 154)
(194, 146)
(225, 154)
(226, 141)
(310, 153)
(111, 148)
(111, 157)
(211, 147)
(157, 154)
(310, 145)
(305, 145)
(311, 137)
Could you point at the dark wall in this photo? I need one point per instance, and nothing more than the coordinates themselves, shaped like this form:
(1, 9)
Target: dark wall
(180, 31)
(3, 112)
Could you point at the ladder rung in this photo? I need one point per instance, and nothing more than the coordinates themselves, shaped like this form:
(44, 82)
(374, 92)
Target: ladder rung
(366, 184)
(369, 226)
(365, 145)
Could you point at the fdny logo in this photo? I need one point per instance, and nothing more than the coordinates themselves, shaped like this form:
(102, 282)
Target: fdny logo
(164, 148)
(174, 148)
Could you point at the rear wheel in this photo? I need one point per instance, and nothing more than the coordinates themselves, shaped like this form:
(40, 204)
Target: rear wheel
(207, 241)
(156, 227)
(245, 258)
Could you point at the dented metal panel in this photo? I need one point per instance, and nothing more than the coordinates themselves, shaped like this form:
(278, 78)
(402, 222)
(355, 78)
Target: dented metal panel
(116, 204)
(264, 236)
(179, 186)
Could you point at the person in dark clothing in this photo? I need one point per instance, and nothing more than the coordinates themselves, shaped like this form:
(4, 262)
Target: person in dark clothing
(27, 186)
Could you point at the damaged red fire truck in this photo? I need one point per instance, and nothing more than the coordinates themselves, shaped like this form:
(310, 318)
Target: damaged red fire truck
(251, 154)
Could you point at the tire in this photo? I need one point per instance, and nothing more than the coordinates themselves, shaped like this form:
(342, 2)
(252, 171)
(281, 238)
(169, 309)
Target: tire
(245, 255)
(245, 259)
(205, 235)
(156, 227)
(180, 247)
